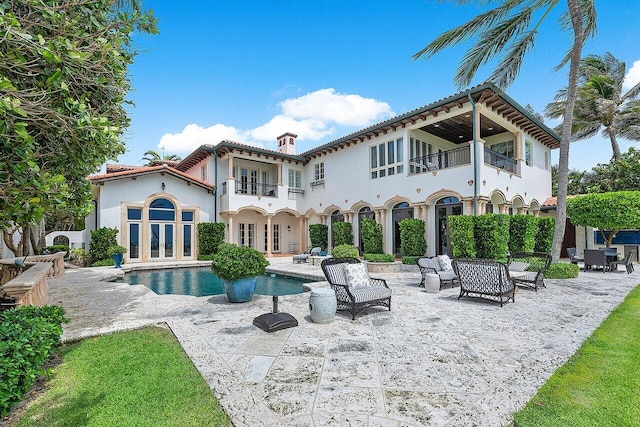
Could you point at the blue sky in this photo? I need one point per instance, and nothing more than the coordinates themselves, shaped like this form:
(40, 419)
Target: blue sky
(250, 71)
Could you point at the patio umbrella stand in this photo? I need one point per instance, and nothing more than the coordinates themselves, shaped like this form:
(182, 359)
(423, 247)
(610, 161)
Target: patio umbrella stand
(274, 321)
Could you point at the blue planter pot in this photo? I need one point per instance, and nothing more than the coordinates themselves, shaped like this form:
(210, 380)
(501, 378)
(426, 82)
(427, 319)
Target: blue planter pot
(240, 290)
(117, 258)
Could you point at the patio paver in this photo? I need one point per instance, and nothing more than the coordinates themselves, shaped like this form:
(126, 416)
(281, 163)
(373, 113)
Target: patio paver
(433, 360)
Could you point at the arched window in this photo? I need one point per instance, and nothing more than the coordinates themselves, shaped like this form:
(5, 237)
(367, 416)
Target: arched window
(162, 210)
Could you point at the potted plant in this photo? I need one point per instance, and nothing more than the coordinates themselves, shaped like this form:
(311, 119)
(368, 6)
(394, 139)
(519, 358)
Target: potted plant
(238, 267)
(116, 252)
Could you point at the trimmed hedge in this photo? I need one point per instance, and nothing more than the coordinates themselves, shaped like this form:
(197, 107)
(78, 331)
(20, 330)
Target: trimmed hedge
(52, 249)
(562, 270)
(379, 257)
(522, 233)
(412, 241)
(371, 233)
(345, 251)
(319, 235)
(463, 242)
(544, 237)
(101, 240)
(491, 233)
(410, 260)
(27, 337)
(210, 235)
(342, 233)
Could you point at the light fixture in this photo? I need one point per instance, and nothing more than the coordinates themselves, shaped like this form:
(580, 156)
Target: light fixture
(490, 128)
(163, 186)
(288, 228)
(436, 125)
(470, 182)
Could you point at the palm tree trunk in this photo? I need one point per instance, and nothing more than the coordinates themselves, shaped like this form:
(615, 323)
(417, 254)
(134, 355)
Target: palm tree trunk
(563, 162)
(615, 148)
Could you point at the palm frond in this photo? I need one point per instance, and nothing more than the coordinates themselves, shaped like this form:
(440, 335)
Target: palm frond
(507, 70)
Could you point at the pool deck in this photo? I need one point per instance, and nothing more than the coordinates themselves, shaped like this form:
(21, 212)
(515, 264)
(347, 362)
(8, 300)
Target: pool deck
(433, 360)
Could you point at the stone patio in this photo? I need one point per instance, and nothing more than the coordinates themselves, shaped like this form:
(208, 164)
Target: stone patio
(433, 360)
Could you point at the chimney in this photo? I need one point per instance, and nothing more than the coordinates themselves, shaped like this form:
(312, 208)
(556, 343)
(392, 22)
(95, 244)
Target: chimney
(287, 143)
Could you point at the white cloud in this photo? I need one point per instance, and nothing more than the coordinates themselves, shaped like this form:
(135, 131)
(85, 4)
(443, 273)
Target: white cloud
(312, 117)
(633, 76)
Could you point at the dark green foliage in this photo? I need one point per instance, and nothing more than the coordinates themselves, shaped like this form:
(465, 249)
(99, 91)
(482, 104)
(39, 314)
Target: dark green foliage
(371, 233)
(342, 233)
(544, 237)
(232, 262)
(491, 233)
(104, 263)
(522, 233)
(319, 235)
(210, 235)
(101, 240)
(412, 241)
(52, 249)
(27, 336)
(344, 251)
(410, 260)
(562, 270)
(463, 242)
(379, 257)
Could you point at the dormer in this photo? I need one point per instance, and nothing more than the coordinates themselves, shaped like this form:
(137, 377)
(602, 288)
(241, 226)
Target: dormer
(287, 143)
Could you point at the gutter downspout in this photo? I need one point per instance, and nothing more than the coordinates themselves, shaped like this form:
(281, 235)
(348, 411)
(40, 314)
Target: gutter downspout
(215, 184)
(475, 157)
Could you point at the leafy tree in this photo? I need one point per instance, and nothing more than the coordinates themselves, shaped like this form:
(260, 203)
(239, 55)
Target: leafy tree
(63, 82)
(621, 174)
(609, 212)
(152, 156)
(601, 103)
(319, 235)
(576, 181)
(510, 28)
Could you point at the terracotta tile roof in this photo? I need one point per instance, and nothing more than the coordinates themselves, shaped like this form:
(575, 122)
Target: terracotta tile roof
(553, 201)
(118, 168)
(145, 170)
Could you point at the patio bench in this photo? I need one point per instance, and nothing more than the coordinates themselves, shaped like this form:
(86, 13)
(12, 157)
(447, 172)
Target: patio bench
(484, 278)
(355, 290)
(534, 264)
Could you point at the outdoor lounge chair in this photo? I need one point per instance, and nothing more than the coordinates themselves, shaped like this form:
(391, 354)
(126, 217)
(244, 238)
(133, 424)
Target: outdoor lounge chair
(484, 278)
(431, 265)
(573, 256)
(300, 258)
(534, 264)
(595, 258)
(627, 262)
(355, 290)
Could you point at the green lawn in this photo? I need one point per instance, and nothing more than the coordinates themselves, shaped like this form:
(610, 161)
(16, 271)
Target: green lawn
(600, 384)
(136, 378)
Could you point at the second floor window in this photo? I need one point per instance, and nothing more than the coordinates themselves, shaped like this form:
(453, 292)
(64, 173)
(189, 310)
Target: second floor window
(295, 178)
(387, 158)
(528, 150)
(203, 172)
(318, 171)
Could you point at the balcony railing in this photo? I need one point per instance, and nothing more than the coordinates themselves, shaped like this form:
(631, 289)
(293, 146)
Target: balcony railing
(296, 191)
(440, 160)
(256, 189)
(500, 161)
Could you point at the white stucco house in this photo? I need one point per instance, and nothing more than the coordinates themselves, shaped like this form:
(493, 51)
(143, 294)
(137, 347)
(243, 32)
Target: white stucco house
(474, 152)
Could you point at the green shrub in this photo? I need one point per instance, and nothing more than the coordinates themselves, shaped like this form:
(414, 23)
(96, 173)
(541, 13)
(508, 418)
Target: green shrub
(522, 233)
(379, 257)
(28, 334)
(371, 233)
(544, 237)
(491, 233)
(101, 240)
(410, 260)
(345, 251)
(52, 249)
(562, 270)
(463, 242)
(79, 256)
(116, 249)
(104, 263)
(342, 233)
(319, 235)
(210, 235)
(412, 241)
(232, 262)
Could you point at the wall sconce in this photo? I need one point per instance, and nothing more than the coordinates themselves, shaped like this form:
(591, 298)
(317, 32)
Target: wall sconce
(163, 186)
(288, 228)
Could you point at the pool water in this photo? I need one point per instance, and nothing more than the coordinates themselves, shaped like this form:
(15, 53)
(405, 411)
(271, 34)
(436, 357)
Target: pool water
(200, 282)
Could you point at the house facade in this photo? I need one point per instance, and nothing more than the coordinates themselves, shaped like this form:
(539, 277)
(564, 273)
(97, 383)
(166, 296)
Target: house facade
(474, 152)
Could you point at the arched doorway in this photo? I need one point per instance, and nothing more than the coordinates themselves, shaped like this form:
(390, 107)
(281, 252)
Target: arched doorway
(444, 208)
(399, 212)
(162, 219)
(363, 213)
(336, 216)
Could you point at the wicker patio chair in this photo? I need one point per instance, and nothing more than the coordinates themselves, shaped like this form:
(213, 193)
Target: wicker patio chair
(535, 265)
(354, 297)
(484, 278)
(430, 265)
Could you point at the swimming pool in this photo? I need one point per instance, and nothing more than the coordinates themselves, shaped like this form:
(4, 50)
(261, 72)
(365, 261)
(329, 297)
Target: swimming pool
(200, 282)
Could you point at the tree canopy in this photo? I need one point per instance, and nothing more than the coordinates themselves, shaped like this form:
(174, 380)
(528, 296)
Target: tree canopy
(63, 82)
(609, 212)
(152, 157)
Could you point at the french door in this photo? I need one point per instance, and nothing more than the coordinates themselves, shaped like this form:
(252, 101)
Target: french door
(162, 240)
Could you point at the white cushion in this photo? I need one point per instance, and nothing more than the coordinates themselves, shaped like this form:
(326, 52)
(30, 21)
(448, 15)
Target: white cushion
(518, 266)
(356, 275)
(445, 262)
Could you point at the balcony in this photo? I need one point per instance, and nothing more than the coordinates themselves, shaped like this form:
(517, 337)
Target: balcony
(440, 160)
(500, 161)
(253, 189)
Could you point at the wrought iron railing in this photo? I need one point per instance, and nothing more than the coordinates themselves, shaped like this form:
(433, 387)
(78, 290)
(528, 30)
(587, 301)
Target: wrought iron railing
(500, 161)
(256, 189)
(440, 160)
